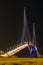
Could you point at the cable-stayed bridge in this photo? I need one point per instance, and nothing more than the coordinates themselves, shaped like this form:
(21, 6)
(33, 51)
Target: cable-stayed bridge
(26, 42)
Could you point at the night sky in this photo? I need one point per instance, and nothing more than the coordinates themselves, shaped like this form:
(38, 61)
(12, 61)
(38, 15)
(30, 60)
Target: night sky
(11, 21)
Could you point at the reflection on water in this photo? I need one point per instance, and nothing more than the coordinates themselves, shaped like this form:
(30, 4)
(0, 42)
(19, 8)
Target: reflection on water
(25, 63)
(21, 61)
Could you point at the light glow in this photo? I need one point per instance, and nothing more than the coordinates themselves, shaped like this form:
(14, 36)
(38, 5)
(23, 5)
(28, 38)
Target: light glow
(10, 53)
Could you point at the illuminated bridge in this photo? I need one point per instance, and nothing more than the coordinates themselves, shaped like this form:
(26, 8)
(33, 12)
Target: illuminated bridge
(28, 47)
